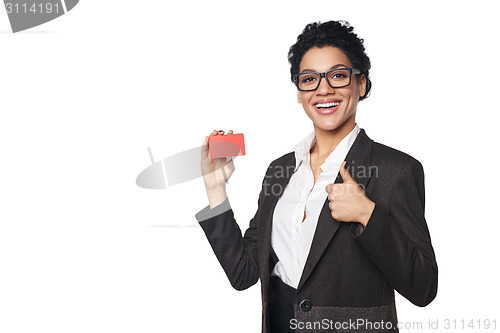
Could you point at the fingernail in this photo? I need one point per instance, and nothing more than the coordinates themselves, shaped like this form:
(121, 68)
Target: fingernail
(221, 131)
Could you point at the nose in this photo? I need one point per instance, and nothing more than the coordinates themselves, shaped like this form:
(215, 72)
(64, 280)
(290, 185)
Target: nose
(324, 88)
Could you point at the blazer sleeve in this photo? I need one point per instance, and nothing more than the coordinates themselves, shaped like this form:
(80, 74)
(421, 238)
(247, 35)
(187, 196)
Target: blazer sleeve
(398, 240)
(237, 254)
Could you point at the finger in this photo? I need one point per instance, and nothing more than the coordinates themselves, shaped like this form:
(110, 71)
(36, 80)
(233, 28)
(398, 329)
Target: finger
(204, 148)
(230, 158)
(331, 188)
(220, 132)
(224, 174)
(336, 190)
(346, 177)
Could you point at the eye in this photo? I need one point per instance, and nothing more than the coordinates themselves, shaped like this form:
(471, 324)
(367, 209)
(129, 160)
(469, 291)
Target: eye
(308, 78)
(339, 75)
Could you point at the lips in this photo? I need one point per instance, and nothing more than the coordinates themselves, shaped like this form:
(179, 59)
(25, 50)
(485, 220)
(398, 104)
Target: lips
(327, 106)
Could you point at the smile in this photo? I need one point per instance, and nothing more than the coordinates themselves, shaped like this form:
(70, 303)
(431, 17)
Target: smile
(326, 108)
(327, 105)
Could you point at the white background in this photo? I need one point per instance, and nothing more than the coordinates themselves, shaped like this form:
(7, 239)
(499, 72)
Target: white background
(83, 249)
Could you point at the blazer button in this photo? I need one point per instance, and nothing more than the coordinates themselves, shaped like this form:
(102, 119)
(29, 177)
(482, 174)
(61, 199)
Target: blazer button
(305, 305)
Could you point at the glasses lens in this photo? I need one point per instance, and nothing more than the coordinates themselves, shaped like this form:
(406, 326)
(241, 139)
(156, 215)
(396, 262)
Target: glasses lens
(339, 77)
(307, 81)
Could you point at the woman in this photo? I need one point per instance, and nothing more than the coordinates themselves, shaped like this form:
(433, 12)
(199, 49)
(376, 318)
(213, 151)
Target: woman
(329, 254)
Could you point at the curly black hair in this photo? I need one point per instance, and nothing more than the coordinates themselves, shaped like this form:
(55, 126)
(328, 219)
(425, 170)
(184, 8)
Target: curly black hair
(332, 33)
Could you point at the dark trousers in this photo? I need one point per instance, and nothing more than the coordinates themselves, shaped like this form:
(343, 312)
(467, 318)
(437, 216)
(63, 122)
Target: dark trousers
(281, 309)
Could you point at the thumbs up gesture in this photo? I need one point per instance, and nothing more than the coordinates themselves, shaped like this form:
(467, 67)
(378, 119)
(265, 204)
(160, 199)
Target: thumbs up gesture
(348, 201)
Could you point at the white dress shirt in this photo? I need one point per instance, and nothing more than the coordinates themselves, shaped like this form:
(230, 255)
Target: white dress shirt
(291, 238)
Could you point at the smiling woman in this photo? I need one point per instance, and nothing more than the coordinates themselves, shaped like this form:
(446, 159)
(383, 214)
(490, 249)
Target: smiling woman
(337, 95)
(331, 246)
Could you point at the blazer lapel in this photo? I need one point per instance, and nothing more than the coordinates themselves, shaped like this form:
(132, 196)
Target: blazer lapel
(358, 165)
(274, 187)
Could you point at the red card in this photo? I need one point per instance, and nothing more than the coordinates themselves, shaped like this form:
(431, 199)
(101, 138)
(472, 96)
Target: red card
(226, 145)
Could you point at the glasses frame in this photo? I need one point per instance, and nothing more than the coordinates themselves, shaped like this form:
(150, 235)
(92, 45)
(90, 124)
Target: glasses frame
(323, 75)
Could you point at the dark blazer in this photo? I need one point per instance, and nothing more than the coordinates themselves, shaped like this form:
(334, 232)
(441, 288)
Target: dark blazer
(347, 276)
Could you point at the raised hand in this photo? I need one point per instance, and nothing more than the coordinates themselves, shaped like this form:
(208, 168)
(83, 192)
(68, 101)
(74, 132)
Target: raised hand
(216, 172)
(348, 201)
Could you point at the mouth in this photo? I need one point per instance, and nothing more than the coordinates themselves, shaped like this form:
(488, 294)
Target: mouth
(327, 107)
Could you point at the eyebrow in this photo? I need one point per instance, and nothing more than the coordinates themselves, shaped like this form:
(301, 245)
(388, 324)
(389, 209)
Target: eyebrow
(334, 66)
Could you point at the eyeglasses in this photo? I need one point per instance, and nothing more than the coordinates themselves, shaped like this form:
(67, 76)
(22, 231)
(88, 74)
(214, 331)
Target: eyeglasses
(336, 78)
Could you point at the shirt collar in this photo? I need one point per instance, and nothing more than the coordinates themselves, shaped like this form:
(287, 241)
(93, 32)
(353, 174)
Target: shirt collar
(302, 150)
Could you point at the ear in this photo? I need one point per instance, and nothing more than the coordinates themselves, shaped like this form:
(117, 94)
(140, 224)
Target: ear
(298, 98)
(362, 85)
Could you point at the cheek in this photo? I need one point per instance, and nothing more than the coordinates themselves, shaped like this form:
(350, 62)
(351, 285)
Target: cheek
(351, 95)
(357, 91)
(304, 96)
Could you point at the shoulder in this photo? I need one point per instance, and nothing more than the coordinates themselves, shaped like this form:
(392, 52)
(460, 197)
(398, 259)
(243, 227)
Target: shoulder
(283, 165)
(391, 155)
(284, 160)
(394, 161)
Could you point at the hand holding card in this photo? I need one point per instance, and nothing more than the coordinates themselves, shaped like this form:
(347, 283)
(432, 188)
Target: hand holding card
(226, 145)
(217, 166)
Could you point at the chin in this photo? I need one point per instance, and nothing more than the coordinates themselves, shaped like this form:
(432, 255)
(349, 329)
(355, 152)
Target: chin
(328, 124)
(328, 128)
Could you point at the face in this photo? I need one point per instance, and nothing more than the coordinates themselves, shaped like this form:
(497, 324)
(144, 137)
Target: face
(335, 117)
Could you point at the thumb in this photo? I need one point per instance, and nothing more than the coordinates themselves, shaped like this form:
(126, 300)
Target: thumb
(204, 148)
(346, 177)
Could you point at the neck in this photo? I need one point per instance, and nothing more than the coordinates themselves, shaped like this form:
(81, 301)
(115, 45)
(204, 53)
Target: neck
(328, 140)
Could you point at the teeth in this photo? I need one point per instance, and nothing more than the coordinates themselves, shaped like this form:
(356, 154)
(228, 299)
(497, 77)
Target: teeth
(327, 105)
